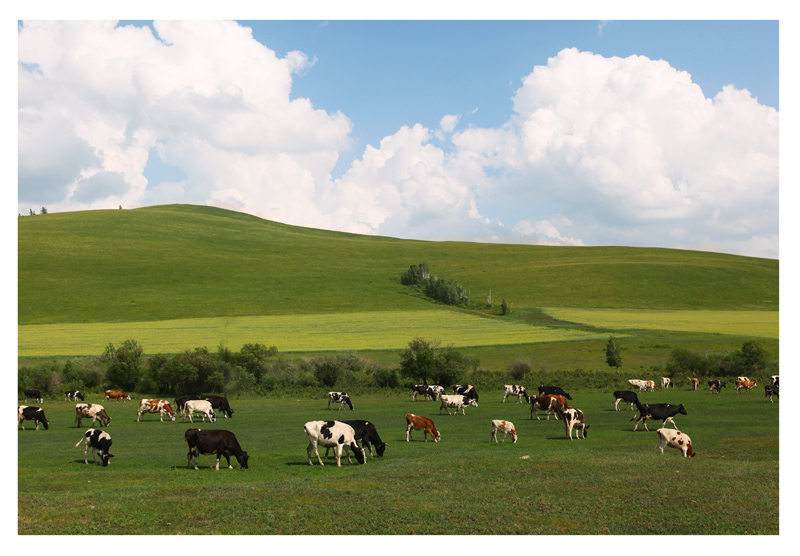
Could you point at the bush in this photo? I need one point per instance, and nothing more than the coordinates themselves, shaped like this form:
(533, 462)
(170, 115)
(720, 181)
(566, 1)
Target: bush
(518, 369)
(327, 371)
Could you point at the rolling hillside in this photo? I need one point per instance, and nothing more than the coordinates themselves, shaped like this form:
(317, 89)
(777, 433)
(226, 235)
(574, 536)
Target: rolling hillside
(182, 261)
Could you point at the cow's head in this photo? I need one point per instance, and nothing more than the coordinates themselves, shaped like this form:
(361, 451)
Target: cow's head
(380, 448)
(243, 459)
(211, 415)
(359, 453)
(348, 402)
(40, 416)
(513, 436)
(682, 410)
(103, 416)
(437, 436)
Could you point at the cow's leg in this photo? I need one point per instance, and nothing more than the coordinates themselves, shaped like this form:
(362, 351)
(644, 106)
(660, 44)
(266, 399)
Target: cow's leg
(338, 455)
(408, 433)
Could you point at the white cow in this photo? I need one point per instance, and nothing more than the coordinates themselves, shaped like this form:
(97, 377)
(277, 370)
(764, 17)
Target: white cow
(507, 427)
(332, 434)
(203, 407)
(675, 439)
(457, 401)
(666, 382)
(642, 385)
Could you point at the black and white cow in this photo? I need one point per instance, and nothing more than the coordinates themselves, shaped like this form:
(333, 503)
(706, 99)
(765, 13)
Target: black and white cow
(717, 385)
(73, 395)
(333, 434)
(625, 396)
(220, 403)
(544, 390)
(367, 434)
(515, 390)
(775, 380)
(35, 414)
(341, 398)
(216, 441)
(467, 390)
(100, 441)
(659, 411)
(666, 382)
(770, 390)
(574, 419)
(457, 401)
(437, 390)
(35, 395)
(424, 390)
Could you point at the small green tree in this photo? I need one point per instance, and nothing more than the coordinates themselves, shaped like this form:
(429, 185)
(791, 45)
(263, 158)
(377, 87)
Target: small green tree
(124, 364)
(417, 360)
(613, 357)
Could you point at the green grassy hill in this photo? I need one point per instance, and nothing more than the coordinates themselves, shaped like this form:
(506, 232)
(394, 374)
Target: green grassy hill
(182, 261)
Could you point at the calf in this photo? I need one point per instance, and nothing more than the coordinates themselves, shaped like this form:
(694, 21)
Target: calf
(574, 419)
(662, 411)
(467, 390)
(35, 414)
(426, 392)
(100, 442)
(675, 439)
(340, 397)
(73, 395)
(35, 395)
(547, 403)
(220, 442)
(769, 391)
(507, 427)
(516, 390)
(666, 382)
(555, 390)
(116, 395)
(456, 401)
(155, 406)
(625, 396)
(203, 407)
(367, 434)
(715, 385)
(695, 383)
(333, 434)
(746, 384)
(420, 423)
(220, 403)
(91, 411)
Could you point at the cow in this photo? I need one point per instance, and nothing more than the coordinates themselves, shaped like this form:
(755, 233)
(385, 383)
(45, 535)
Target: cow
(219, 442)
(642, 385)
(769, 391)
(420, 423)
(515, 390)
(367, 434)
(35, 414)
(203, 407)
(555, 390)
(35, 395)
(426, 392)
(340, 397)
(660, 411)
(181, 401)
(625, 396)
(116, 395)
(561, 400)
(695, 383)
(467, 390)
(666, 382)
(746, 384)
(744, 378)
(457, 401)
(91, 411)
(715, 385)
(574, 419)
(220, 403)
(73, 395)
(675, 439)
(334, 434)
(155, 406)
(546, 403)
(437, 390)
(507, 427)
(100, 442)
(775, 379)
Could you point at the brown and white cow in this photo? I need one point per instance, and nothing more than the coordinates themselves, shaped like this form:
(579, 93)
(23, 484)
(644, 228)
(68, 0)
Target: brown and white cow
(548, 404)
(91, 411)
(155, 406)
(746, 384)
(642, 385)
(675, 439)
(507, 427)
(420, 423)
(695, 383)
(116, 395)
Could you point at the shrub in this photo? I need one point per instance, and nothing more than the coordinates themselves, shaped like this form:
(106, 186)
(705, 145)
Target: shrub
(518, 369)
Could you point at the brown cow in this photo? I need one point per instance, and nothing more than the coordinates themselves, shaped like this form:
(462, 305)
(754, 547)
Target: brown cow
(748, 384)
(548, 403)
(695, 383)
(116, 395)
(421, 424)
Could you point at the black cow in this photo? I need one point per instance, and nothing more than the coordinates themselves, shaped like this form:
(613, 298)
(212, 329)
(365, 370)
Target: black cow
(218, 441)
(220, 403)
(100, 442)
(73, 395)
(769, 391)
(426, 391)
(367, 434)
(556, 390)
(715, 385)
(35, 414)
(625, 396)
(662, 411)
(467, 390)
(180, 402)
(340, 397)
(35, 395)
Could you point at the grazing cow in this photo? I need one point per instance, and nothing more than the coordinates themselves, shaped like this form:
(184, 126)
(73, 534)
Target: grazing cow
(769, 391)
(334, 434)
(746, 384)
(695, 383)
(467, 390)
(457, 401)
(675, 439)
(574, 419)
(426, 391)
(35, 395)
(744, 378)
(507, 427)
(420, 423)
(715, 385)
(73, 395)
(220, 403)
(35, 414)
(643, 385)
(666, 382)
(367, 434)
(437, 390)
(625, 396)
(341, 398)
(100, 442)
(516, 390)
(660, 411)
(116, 395)
(555, 390)
(218, 441)
(203, 407)
(91, 411)
(547, 403)
(155, 406)
(181, 401)
(775, 380)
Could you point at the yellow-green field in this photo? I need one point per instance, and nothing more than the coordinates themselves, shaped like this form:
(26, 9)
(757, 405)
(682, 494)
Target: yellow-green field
(744, 323)
(379, 330)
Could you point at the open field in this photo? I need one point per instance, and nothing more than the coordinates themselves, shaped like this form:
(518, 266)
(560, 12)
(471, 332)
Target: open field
(608, 482)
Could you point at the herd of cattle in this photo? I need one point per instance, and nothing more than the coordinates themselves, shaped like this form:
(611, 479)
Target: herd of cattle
(347, 434)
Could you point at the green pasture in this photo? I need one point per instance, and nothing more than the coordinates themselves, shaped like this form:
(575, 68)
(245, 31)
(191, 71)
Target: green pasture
(608, 484)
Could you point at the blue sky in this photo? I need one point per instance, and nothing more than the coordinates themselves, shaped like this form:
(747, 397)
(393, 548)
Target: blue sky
(591, 132)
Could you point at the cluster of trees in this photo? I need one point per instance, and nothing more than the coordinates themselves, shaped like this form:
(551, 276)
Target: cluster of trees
(444, 291)
(425, 362)
(750, 360)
